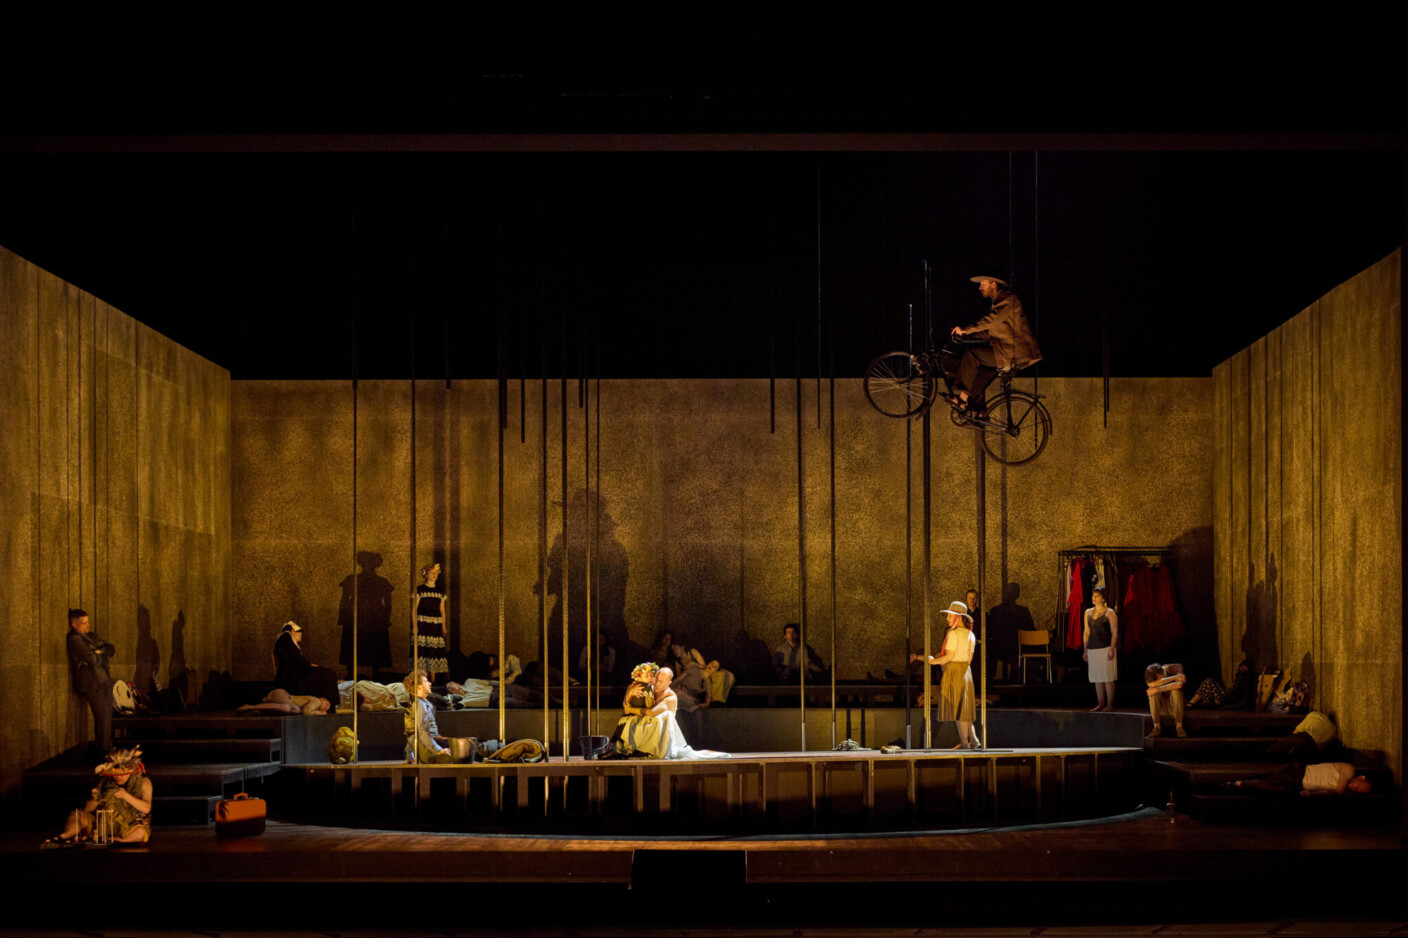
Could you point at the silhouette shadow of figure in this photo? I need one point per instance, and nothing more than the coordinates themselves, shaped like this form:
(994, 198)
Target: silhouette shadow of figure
(1259, 640)
(610, 569)
(750, 659)
(372, 593)
(1004, 620)
(1307, 674)
(178, 674)
(148, 653)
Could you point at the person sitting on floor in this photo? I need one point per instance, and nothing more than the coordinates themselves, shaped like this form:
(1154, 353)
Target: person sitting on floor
(125, 792)
(1165, 689)
(281, 701)
(429, 745)
(1326, 778)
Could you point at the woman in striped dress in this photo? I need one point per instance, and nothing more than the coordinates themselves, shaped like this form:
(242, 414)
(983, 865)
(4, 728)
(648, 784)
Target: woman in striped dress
(428, 635)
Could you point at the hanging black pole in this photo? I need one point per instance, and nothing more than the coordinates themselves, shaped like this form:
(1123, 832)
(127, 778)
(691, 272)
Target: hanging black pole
(908, 556)
(980, 461)
(928, 594)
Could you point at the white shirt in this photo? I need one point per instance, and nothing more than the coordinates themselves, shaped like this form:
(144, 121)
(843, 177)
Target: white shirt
(957, 648)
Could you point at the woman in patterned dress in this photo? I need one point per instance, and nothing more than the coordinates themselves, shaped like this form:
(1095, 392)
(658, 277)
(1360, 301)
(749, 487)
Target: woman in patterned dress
(428, 614)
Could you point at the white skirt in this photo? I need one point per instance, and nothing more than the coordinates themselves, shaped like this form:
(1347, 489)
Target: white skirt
(1102, 669)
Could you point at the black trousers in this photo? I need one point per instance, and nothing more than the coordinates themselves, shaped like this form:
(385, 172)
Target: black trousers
(100, 702)
(1284, 781)
(968, 363)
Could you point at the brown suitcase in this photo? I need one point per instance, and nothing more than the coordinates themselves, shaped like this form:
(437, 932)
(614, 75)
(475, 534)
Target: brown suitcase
(240, 816)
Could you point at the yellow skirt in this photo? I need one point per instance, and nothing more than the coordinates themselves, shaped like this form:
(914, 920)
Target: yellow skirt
(956, 693)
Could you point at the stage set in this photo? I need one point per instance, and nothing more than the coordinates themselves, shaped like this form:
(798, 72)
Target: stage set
(536, 423)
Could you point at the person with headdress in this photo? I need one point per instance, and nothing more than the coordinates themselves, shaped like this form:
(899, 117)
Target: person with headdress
(125, 792)
(294, 673)
(956, 690)
(649, 726)
(428, 648)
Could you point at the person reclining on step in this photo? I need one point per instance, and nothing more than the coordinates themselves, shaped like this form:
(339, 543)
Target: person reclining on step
(1326, 778)
(1000, 341)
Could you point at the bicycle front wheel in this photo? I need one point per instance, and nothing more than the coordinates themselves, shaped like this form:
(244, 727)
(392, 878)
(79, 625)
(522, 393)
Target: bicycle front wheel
(896, 386)
(1016, 428)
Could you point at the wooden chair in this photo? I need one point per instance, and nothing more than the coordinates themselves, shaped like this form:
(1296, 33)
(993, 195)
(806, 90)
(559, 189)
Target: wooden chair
(1034, 637)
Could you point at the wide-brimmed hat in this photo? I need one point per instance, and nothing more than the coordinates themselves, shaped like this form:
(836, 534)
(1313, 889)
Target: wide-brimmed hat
(982, 277)
(959, 609)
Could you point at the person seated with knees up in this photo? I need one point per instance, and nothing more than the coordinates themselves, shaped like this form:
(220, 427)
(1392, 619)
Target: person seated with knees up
(1165, 689)
(1326, 778)
(125, 792)
(429, 745)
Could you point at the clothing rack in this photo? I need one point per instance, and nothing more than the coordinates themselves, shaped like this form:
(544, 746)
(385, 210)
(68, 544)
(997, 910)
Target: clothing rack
(1155, 555)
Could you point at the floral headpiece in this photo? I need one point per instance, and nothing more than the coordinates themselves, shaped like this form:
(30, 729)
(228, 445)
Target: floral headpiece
(122, 762)
(645, 673)
(425, 570)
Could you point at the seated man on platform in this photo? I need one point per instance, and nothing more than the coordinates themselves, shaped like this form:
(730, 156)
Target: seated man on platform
(789, 655)
(1165, 689)
(429, 745)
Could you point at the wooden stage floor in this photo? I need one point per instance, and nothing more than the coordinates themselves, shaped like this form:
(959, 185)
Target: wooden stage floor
(1147, 866)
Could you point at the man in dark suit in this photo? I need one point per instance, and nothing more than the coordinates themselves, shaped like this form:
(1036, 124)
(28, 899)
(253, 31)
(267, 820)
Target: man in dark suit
(88, 663)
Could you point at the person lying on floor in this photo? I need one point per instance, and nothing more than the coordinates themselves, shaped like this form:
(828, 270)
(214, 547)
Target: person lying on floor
(1326, 778)
(124, 790)
(281, 701)
(479, 693)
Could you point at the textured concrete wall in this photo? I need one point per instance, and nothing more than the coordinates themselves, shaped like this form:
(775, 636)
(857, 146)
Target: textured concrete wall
(114, 495)
(699, 510)
(1308, 498)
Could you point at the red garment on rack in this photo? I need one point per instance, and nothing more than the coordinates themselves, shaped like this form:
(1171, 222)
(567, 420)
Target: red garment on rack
(1075, 603)
(1134, 614)
(1167, 624)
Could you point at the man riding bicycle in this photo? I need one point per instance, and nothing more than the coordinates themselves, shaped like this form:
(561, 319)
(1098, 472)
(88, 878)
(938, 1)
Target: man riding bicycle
(1000, 341)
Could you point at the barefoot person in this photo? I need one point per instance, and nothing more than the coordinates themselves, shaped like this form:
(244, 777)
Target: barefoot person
(1102, 630)
(124, 790)
(956, 692)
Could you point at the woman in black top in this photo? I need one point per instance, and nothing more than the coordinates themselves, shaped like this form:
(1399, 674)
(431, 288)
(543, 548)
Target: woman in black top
(428, 640)
(1102, 630)
(295, 673)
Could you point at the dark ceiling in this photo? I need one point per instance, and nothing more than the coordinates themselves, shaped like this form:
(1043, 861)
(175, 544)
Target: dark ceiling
(446, 188)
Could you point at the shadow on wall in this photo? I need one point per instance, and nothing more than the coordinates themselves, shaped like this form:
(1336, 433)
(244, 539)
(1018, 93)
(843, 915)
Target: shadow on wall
(1003, 622)
(148, 653)
(610, 571)
(178, 678)
(372, 594)
(1192, 553)
(1259, 641)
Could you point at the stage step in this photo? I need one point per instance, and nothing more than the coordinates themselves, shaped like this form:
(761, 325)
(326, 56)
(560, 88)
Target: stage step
(1169, 746)
(1236, 723)
(222, 724)
(1337, 810)
(174, 779)
(223, 749)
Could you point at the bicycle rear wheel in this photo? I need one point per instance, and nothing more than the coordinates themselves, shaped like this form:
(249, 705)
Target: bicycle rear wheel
(896, 386)
(1016, 428)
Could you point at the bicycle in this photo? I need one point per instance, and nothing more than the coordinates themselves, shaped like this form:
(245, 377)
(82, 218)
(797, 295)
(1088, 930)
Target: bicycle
(1015, 424)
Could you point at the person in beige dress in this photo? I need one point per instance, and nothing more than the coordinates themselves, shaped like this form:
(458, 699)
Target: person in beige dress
(956, 690)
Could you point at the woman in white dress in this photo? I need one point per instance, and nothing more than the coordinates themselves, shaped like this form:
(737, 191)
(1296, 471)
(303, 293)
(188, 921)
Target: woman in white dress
(651, 728)
(1100, 636)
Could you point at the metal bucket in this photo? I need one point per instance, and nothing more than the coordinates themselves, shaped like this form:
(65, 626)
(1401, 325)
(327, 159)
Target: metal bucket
(462, 748)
